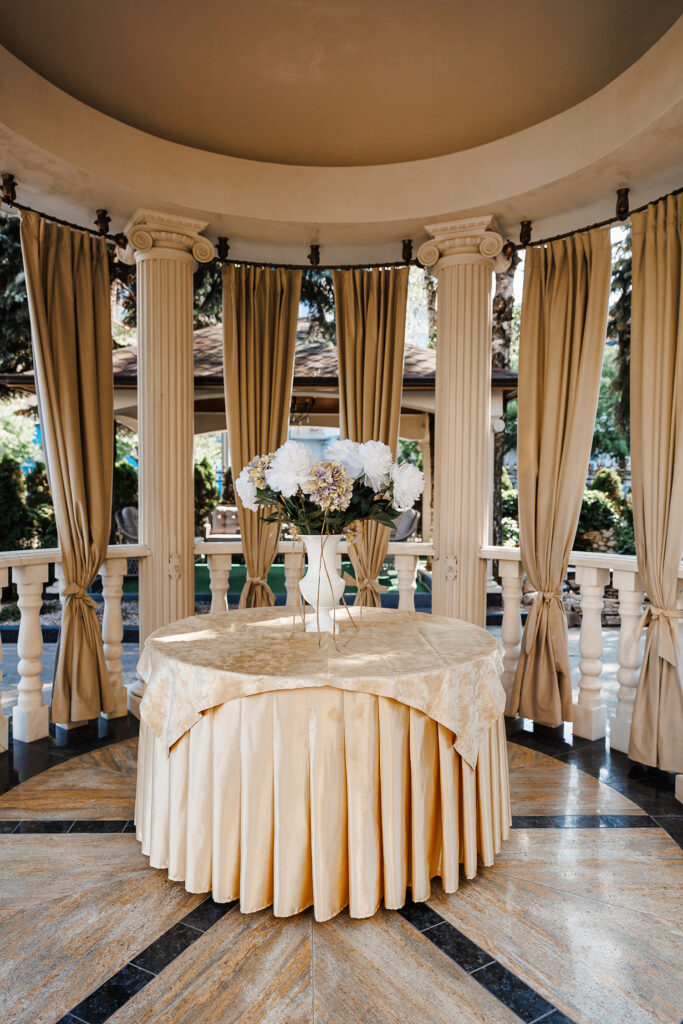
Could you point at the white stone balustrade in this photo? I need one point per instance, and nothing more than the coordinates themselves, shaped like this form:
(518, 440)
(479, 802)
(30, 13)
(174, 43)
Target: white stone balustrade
(406, 571)
(630, 611)
(113, 572)
(30, 716)
(589, 715)
(511, 581)
(29, 570)
(219, 578)
(593, 572)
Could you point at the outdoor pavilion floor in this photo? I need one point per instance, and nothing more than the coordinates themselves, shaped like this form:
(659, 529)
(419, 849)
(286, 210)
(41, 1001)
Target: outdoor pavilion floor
(579, 919)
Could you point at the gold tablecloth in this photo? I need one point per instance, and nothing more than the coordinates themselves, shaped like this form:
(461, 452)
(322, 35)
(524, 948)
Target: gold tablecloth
(289, 791)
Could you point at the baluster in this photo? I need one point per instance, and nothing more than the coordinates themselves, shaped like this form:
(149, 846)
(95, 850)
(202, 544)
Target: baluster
(511, 574)
(4, 720)
(406, 570)
(294, 567)
(30, 714)
(219, 574)
(589, 715)
(61, 581)
(630, 613)
(112, 573)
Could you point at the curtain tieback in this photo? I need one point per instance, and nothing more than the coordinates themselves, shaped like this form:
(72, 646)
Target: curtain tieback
(667, 647)
(257, 579)
(370, 583)
(544, 597)
(73, 590)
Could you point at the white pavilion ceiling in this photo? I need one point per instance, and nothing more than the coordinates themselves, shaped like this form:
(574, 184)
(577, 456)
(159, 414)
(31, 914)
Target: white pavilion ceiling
(332, 82)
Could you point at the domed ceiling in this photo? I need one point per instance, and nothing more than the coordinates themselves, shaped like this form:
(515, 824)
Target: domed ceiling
(332, 82)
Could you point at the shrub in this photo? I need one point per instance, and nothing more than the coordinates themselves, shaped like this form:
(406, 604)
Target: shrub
(205, 493)
(509, 505)
(609, 482)
(505, 481)
(15, 521)
(124, 486)
(228, 487)
(597, 513)
(40, 508)
(510, 532)
(624, 533)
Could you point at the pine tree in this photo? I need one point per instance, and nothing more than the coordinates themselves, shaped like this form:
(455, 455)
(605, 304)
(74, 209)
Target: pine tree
(619, 331)
(15, 327)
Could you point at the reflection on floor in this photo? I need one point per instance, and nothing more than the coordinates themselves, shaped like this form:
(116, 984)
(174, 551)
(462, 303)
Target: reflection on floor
(579, 919)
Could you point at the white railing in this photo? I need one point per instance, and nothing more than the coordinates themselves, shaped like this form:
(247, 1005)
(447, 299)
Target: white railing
(219, 555)
(29, 572)
(593, 572)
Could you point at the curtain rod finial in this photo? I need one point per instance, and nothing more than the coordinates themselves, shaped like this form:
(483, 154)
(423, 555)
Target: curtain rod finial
(407, 250)
(102, 221)
(223, 248)
(622, 210)
(9, 190)
(525, 233)
(314, 256)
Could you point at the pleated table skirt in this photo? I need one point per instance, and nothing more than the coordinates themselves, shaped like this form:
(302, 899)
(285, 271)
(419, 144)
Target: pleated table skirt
(319, 797)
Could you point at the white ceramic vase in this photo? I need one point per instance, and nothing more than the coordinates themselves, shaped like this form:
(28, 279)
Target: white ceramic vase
(322, 586)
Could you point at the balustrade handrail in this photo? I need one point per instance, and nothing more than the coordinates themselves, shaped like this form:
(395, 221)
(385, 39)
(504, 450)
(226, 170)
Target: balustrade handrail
(586, 559)
(50, 556)
(234, 547)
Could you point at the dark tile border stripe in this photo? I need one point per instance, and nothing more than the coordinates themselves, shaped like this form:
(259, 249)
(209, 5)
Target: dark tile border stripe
(35, 826)
(515, 994)
(101, 1004)
(584, 821)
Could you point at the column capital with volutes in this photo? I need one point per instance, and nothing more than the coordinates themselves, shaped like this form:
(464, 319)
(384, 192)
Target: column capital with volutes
(155, 235)
(474, 240)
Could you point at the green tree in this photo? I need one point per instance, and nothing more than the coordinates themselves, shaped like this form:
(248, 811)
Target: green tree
(15, 327)
(15, 520)
(619, 331)
(608, 437)
(40, 507)
(205, 493)
(18, 430)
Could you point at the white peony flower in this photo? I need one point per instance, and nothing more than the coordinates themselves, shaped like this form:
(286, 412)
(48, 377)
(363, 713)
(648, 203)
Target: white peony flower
(408, 483)
(347, 454)
(291, 468)
(377, 461)
(246, 488)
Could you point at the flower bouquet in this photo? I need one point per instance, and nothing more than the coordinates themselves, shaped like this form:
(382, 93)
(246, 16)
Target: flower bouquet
(323, 500)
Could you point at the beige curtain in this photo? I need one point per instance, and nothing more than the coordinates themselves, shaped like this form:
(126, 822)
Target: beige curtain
(67, 280)
(260, 308)
(657, 469)
(370, 310)
(564, 315)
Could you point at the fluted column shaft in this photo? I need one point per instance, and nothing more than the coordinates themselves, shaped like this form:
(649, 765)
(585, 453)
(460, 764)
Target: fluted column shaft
(464, 255)
(165, 249)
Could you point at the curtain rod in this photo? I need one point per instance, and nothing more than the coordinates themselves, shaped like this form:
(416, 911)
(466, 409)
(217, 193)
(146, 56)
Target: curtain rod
(616, 219)
(622, 216)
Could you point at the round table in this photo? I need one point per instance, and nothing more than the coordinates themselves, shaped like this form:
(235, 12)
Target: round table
(292, 769)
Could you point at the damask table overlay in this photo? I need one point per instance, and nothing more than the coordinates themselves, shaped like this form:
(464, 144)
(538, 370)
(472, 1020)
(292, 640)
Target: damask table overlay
(447, 669)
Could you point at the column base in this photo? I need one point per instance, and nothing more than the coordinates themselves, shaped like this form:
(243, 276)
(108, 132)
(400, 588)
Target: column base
(30, 725)
(4, 733)
(589, 723)
(619, 734)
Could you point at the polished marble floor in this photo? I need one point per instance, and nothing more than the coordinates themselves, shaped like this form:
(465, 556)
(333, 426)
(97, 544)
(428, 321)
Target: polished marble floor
(579, 920)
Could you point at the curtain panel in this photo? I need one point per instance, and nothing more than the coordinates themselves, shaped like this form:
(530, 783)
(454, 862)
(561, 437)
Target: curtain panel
(260, 308)
(564, 316)
(370, 310)
(657, 474)
(67, 280)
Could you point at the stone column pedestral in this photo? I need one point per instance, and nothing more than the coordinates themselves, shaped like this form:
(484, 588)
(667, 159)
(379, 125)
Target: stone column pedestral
(463, 254)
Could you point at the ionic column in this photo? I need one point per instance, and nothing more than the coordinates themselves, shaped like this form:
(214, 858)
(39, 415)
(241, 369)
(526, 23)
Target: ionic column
(165, 248)
(463, 254)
